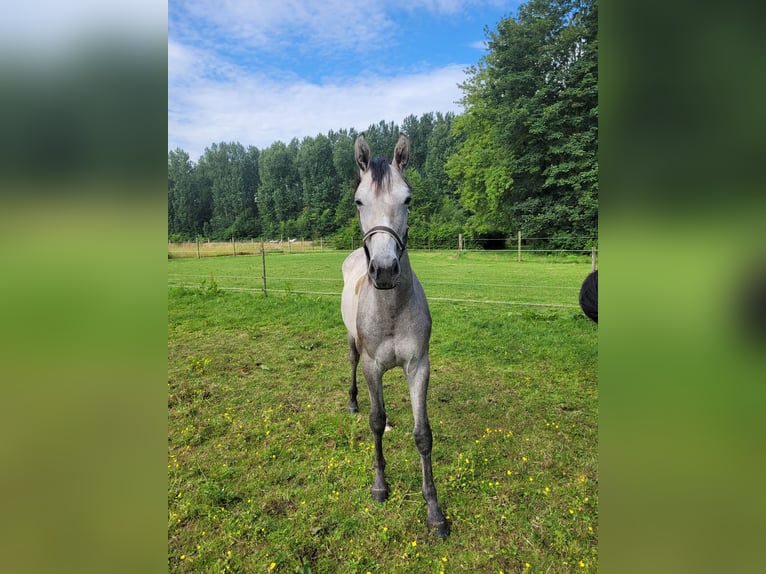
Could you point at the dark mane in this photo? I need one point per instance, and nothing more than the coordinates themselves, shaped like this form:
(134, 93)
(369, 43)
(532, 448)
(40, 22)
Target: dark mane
(380, 169)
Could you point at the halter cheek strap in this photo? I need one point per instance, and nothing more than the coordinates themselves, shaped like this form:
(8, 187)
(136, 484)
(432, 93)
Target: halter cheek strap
(400, 242)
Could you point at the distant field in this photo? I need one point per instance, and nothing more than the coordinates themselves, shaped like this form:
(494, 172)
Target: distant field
(474, 276)
(267, 472)
(242, 247)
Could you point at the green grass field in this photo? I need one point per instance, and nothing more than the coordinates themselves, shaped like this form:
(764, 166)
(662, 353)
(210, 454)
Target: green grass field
(267, 471)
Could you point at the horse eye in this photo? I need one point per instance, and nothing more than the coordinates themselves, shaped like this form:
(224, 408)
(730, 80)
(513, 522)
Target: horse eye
(358, 203)
(407, 201)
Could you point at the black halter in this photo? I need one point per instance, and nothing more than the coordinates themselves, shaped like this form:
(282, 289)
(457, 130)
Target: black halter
(401, 242)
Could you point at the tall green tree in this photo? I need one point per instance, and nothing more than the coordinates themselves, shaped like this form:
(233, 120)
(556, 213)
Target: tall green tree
(446, 218)
(343, 155)
(232, 187)
(529, 136)
(344, 223)
(320, 184)
(440, 146)
(247, 223)
(418, 130)
(382, 138)
(189, 199)
(280, 196)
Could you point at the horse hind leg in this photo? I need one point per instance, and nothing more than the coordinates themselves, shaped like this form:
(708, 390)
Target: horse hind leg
(353, 357)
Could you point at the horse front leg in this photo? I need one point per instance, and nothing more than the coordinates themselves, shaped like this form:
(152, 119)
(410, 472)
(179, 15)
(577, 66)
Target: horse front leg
(418, 379)
(353, 358)
(374, 378)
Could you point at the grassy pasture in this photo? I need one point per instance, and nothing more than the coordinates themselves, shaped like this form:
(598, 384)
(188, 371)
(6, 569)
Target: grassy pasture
(267, 471)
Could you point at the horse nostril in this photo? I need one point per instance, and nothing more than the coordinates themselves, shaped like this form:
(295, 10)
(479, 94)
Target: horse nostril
(373, 270)
(395, 269)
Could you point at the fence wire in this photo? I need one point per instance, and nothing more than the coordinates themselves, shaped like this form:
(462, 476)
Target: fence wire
(176, 281)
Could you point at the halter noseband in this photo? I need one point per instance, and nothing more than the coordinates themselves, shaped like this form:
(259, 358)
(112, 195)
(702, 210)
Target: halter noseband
(400, 242)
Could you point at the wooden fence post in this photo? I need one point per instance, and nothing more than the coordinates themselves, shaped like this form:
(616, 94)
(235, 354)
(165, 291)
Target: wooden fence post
(233, 246)
(519, 246)
(197, 247)
(263, 269)
(592, 258)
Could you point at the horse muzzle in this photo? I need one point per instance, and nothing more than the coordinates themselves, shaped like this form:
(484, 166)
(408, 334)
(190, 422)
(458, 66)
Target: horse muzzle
(384, 269)
(384, 275)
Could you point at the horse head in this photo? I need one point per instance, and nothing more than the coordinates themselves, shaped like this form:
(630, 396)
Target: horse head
(382, 199)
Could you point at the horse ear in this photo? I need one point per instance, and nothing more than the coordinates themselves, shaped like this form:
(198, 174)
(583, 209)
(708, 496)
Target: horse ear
(402, 153)
(362, 153)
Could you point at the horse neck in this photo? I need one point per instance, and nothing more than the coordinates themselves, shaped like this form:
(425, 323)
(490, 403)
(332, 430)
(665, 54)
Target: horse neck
(403, 290)
(406, 271)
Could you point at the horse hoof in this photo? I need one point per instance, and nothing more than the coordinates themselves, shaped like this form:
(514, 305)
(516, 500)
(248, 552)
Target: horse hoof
(439, 529)
(380, 494)
(353, 410)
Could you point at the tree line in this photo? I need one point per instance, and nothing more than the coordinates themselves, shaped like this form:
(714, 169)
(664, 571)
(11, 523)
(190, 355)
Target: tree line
(523, 156)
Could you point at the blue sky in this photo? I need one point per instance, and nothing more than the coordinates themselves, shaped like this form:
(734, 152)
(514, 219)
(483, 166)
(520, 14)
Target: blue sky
(267, 70)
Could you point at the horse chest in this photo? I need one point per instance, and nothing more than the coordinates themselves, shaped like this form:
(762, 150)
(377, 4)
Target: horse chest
(391, 338)
(380, 329)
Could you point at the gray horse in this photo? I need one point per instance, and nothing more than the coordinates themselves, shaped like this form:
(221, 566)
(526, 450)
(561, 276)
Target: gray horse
(386, 313)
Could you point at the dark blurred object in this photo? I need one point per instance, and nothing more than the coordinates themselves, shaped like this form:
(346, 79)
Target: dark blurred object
(94, 113)
(752, 305)
(589, 296)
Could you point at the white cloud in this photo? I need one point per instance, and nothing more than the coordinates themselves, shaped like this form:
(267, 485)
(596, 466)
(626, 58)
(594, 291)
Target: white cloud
(326, 25)
(259, 111)
(452, 6)
(330, 23)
